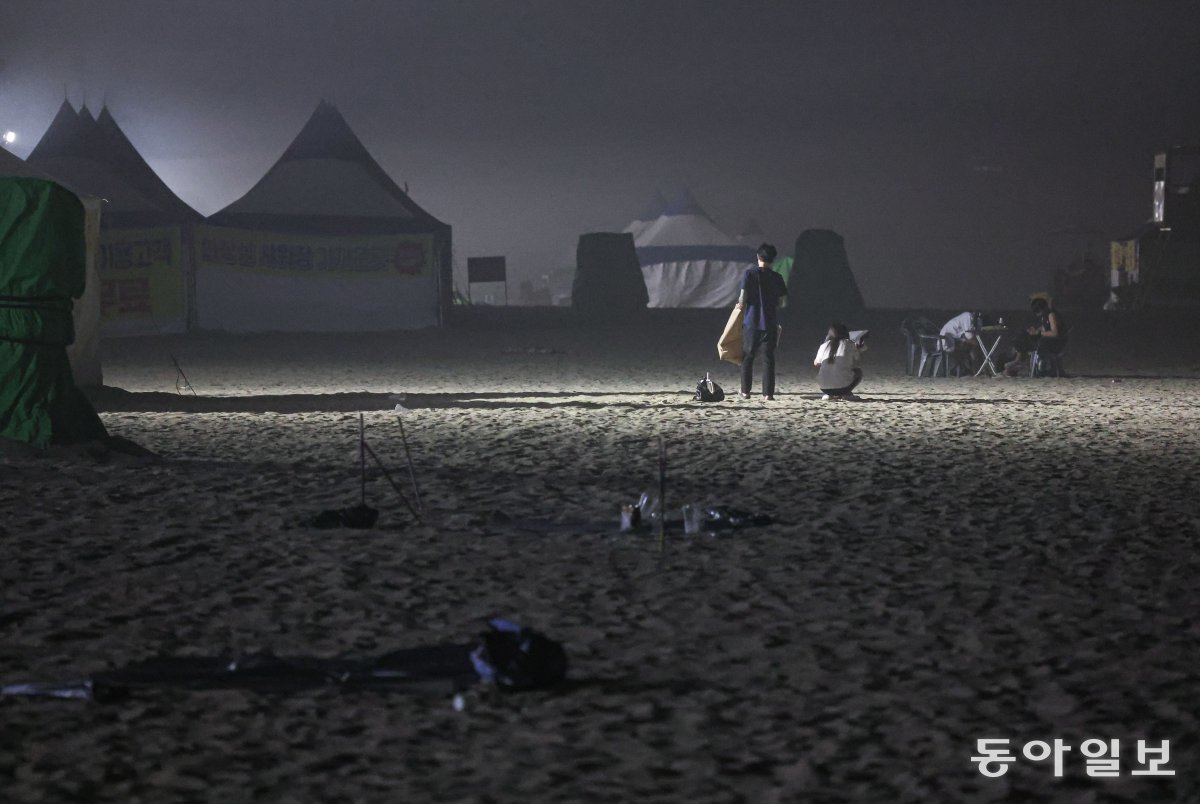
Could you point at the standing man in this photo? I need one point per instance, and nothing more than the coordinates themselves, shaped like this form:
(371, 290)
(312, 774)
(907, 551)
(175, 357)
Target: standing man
(762, 292)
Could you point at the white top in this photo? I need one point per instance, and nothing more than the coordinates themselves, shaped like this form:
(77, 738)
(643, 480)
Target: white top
(838, 371)
(956, 329)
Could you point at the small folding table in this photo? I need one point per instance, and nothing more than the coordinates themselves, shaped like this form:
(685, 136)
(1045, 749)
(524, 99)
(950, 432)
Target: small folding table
(982, 336)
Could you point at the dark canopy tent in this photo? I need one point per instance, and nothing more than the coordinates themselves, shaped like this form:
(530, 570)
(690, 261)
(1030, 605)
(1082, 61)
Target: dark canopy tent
(327, 148)
(608, 276)
(326, 240)
(42, 270)
(120, 152)
(145, 233)
(91, 156)
(822, 284)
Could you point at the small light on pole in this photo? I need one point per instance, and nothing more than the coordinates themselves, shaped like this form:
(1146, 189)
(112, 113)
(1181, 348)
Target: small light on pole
(10, 137)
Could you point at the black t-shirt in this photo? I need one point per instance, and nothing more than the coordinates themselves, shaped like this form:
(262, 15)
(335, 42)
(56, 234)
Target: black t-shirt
(763, 288)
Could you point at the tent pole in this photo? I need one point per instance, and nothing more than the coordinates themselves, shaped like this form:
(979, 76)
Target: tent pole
(412, 473)
(388, 476)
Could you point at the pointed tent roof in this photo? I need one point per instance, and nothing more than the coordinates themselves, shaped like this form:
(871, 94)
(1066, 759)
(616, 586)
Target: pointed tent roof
(650, 213)
(653, 209)
(684, 203)
(683, 223)
(326, 181)
(751, 231)
(685, 233)
(64, 137)
(656, 207)
(74, 151)
(120, 151)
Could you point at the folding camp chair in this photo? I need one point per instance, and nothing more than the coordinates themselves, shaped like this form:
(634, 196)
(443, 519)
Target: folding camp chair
(913, 329)
(935, 355)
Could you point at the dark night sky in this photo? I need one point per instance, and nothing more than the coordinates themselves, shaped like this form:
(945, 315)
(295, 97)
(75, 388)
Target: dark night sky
(946, 141)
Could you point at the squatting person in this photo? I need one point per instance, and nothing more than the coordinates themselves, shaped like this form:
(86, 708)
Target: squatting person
(837, 361)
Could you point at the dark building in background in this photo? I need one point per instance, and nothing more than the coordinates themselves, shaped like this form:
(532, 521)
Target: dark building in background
(1158, 264)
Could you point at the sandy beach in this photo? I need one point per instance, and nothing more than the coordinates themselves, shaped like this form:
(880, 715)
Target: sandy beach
(950, 559)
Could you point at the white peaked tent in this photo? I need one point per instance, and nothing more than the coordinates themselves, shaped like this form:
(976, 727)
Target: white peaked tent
(652, 212)
(687, 261)
(84, 353)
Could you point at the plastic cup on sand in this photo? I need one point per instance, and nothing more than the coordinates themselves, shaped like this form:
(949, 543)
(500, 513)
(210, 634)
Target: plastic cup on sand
(649, 507)
(631, 517)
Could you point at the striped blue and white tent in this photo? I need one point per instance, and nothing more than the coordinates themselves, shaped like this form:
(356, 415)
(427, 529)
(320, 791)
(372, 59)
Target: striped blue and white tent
(687, 260)
(651, 213)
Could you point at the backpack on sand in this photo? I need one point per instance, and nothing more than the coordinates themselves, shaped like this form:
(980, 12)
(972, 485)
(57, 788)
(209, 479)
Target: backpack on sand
(708, 391)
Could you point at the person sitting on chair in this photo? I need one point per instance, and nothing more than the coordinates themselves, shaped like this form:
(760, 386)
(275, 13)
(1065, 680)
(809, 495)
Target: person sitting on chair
(958, 341)
(837, 360)
(1046, 333)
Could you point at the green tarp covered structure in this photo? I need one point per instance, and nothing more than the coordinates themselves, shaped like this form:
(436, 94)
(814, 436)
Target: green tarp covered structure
(783, 266)
(42, 271)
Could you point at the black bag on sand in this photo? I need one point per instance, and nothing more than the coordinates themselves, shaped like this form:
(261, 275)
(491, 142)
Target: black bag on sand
(708, 391)
(516, 658)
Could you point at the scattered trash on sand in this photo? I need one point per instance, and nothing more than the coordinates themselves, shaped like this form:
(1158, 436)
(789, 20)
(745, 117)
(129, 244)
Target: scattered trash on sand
(646, 513)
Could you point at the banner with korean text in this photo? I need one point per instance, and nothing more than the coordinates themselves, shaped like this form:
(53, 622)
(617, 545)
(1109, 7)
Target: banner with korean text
(142, 281)
(257, 281)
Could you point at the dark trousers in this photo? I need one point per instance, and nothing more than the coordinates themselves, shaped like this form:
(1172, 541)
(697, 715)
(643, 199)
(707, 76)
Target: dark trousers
(753, 342)
(1025, 343)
